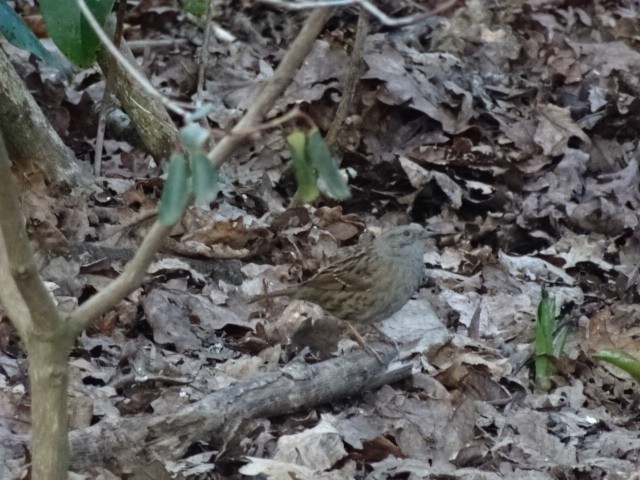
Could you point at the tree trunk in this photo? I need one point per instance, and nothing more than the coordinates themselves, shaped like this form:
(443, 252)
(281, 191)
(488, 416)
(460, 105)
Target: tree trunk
(48, 355)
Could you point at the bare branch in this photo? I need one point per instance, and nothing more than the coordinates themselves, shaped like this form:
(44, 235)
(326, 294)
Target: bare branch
(29, 136)
(152, 122)
(204, 54)
(10, 297)
(355, 70)
(108, 87)
(122, 286)
(22, 266)
(288, 67)
(141, 79)
(135, 270)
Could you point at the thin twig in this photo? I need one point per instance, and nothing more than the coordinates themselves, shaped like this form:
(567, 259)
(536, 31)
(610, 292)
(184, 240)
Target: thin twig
(21, 262)
(138, 45)
(296, 113)
(136, 269)
(355, 71)
(288, 67)
(108, 87)
(141, 79)
(10, 297)
(204, 60)
(129, 280)
(204, 55)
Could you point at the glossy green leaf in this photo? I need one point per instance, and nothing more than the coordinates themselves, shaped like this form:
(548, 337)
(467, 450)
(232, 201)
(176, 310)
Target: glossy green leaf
(175, 195)
(320, 156)
(19, 34)
(70, 30)
(306, 176)
(204, 179)
(621, 359)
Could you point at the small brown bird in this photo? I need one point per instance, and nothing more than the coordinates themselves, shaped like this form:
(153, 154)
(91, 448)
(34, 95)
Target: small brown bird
(372, 283)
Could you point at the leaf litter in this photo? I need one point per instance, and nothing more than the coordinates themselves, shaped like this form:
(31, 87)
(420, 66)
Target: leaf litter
(509, 128)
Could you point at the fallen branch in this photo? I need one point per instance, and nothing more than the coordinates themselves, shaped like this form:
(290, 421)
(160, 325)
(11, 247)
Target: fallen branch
(296, 386)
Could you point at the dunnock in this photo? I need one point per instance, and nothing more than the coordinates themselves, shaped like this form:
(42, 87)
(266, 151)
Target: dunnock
(372, 283)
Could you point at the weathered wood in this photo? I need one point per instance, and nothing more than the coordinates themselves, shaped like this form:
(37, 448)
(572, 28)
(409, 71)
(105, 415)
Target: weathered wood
(294, 387)
(29, 136)
(153, 124)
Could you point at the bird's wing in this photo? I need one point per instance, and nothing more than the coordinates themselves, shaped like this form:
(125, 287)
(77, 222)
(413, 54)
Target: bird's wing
(350, 273)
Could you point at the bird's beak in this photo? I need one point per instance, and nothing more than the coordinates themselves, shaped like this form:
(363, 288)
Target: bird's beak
(428, 233)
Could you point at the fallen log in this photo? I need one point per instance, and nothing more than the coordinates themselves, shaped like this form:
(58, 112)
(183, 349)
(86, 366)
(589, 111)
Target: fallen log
(294, 387)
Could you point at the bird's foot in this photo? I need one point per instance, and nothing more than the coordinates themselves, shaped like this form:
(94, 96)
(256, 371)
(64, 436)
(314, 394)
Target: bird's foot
(363, 343)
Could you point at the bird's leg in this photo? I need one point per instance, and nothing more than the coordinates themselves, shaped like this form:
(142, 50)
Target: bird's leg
(386, 337)
(363, 343)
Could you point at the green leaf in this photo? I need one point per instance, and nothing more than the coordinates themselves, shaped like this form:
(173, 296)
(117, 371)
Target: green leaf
(306, 176)
(204, 179)
(297, 140)
(621, 359)
(193, 137)
(544, 349)
(545, 324)
(19, 34)
(70, 30)
(196, 7)
(560, 339)
(176, 192)
(320, 156)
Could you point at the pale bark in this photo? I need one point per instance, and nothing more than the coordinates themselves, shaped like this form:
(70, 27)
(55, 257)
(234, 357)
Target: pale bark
(28, 135)
(43, 332)
(153, 124)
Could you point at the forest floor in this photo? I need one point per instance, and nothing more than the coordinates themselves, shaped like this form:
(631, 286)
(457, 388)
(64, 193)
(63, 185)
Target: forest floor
(506, 126)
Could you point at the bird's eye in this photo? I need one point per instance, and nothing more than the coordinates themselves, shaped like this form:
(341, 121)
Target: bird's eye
(407, 233)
